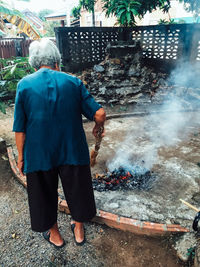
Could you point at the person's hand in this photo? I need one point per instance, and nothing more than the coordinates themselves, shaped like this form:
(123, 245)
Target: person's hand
(98, 131)
(20, 166)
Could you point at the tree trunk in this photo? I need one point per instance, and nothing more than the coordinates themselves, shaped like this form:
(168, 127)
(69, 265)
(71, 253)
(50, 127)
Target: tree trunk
(93, 18)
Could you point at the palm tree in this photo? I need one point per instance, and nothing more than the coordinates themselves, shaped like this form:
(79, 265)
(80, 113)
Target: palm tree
(16, 18)
(89, 6)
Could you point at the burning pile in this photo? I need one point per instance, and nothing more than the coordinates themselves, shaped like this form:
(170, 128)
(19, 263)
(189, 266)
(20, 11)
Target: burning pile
(123, 179)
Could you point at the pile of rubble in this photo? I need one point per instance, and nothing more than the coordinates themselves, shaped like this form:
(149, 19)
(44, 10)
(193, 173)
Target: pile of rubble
(122, 78)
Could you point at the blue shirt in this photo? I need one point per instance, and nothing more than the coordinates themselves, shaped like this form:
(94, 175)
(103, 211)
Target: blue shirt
(48, 108)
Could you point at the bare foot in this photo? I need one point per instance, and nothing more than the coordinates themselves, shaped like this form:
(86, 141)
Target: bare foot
(55, 236)
(78, 231)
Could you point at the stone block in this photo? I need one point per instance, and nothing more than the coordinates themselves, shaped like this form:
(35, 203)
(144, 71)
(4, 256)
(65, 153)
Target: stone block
(127, 90)
(102, 91)
(114, 72)
(115, 61)
(98, 68)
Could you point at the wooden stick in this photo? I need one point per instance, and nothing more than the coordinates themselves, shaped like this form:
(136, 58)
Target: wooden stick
(189, 205)
(95, 151)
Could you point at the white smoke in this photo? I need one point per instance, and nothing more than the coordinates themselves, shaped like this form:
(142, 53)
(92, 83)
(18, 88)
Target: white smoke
(166, 126)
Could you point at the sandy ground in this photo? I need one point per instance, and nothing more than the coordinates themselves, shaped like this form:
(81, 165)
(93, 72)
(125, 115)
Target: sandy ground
(105, 246)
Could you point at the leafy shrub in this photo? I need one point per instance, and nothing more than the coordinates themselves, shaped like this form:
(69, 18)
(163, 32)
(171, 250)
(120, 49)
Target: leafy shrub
(12, 70)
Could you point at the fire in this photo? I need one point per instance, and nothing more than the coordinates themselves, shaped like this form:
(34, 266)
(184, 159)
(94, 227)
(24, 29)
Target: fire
(121, 179)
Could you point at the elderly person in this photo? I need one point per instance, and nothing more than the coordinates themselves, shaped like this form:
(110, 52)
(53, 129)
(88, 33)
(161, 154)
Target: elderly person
(51, 142)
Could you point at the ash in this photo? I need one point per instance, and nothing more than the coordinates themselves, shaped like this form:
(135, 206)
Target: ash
(123, 179)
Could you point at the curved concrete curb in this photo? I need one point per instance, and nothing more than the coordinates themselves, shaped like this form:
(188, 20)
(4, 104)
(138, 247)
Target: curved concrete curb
(110, 219)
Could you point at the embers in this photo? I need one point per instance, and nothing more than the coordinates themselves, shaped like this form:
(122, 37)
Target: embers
(122, 179)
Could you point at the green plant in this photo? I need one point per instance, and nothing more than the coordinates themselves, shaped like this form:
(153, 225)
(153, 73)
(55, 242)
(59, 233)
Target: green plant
(89, 6)
(164, 21)
(124, 10)
(191, 252)
(49, 28)
(127, 10)
(112, 7)
(76, 11)
(2, 107)
(12, 70)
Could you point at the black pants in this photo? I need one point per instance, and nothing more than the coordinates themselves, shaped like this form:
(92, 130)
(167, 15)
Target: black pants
(43, 196)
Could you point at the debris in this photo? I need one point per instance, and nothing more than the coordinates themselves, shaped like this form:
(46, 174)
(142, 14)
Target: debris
(13, 235)
(122, 77)
(4, 157)
(98, 68)
(184, 244)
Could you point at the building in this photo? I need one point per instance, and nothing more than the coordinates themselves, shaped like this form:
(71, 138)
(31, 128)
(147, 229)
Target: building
(60, 15)
(100, 17)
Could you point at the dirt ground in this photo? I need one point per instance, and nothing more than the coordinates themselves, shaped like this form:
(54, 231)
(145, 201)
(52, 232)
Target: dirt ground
(105, 246)
(175, 168)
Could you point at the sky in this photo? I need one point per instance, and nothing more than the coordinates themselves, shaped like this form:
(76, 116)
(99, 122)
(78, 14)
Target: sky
(37, 5)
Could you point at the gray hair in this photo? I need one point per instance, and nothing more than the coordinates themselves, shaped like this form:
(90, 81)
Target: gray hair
(43, 52)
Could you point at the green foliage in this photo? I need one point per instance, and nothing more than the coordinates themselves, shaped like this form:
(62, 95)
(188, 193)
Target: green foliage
(2, 107)
(88, 4)
(43, 13)
(150, 5)
(124, 10)
(127, 10)
(164, 21)
(191, 252)
(12, 70)
(76, 12)
(49, 28)
(115, 7)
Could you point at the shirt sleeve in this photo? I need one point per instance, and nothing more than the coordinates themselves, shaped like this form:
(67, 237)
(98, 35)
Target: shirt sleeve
(19, 124)
(88, 105)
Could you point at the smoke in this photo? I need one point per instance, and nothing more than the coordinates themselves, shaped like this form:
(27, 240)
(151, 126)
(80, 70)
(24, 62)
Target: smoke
(186, 74)
(165, 126)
